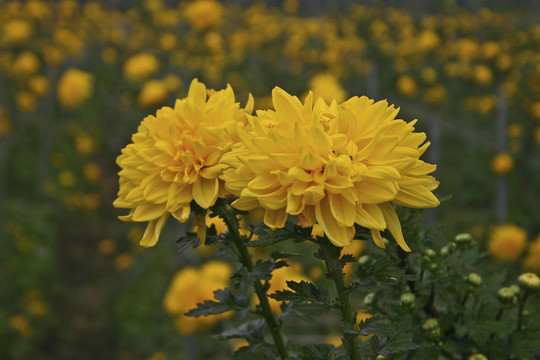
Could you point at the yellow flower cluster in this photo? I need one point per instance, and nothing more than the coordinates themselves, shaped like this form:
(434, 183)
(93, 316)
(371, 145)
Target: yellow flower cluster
(334, 165)
(507, 242)
(192, 286)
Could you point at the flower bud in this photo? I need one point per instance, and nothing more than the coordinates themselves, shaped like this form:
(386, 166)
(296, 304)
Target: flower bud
(368, 299)
(464, 240)
(529, 282)
(430, 253)
(478, 357)
(407, 299)
(507, 295)
(448, 248)
(474, 279)
(430, 324)
(363, 260)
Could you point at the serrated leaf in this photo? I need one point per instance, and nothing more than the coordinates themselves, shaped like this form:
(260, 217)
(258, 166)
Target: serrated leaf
(301, 291)
(189, 240)
(315, 352)
(226, 301)
(253, 331)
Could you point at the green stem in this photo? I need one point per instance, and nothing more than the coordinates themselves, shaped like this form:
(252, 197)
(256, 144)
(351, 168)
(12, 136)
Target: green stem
(266, 310)
(521, 306)
(347, 315)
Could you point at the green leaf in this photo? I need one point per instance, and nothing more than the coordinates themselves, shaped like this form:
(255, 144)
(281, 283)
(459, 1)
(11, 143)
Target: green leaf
(226, 301)
(301, 291)
(253, 331)
(315, 352)
(189, 240)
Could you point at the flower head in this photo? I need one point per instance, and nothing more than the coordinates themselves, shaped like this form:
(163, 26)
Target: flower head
(507, 242)
(140, 66)
(175, 158)
(74, 88)
(191, 286)
(335, 165)
(532, 261)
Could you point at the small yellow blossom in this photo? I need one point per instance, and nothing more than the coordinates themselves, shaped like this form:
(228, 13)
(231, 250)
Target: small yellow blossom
(123, 261)
(203, 14)
(26, 64)
(140, 66)
(66, 178)
(74, 88)
(507, 242)
(92, 172)
(21, 324)
(26, 101)
(36, 305)
(16, 31)
(407, 86)
(327, 87)
(483, 75)
(109, 55)
(39, 85)
(514, 130)
(153, 93)
(532, 260)
(86, 144)
(502, 163)
(107, 246)
(191, 286)
(5, 123)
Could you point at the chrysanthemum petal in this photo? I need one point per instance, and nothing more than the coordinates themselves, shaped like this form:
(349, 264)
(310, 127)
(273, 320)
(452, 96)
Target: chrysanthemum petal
(394, 225)
(153, 229)
(370, 216)
(377, 238)
(342, 210)
(338, 235)
(275, 218)
(205, 192)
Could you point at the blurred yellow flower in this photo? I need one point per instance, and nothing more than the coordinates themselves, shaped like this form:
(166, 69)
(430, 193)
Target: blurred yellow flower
(293, 272)
(191, 286)
(483, 75)
(507, 242)
(123, 261)
(107, 246)
(513, 130)
(5, 122)
(140, 66)
(21, 324)
(168, 41)
(363, 316)
(435, 94)
(407, 86)
(532, 260)
(202, 14)
(535, 110)
(74, 88)
(173, 82)
(92, 172)
(175, 158)
(153, 93)
(39, 85)
(502, 163)
(327, 87)
(66, 178)
(335, 165)
(16, 31)
(26, 64)
(86, 144)
(109, 55)
(26, 101)
(36, 305)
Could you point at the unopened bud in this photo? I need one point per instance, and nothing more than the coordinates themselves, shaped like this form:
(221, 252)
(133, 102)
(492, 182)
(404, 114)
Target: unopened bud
(430, 324)
(430, 253)
(464, 240)
(363, 260)
(474, 279)
(407, 299)
(368, 299)
(529, 282)
(507, 295)
(478, 357)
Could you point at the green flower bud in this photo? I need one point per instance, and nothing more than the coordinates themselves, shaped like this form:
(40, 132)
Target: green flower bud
(515, 288)
(368, 299)
(407, 299)
(507, 295)
(430, 324)
(474, 279)
(386, 241)
(363, 260)
(433, 266)
(478, 357)
(464, 240)
(529, 282)
(430, 253)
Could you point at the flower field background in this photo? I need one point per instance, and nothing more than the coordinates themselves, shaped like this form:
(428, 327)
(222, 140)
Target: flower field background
(76, 79)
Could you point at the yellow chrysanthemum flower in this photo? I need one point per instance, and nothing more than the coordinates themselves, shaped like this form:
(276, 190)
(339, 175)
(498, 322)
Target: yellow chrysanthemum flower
(74, 88)
(532, 261)
(335, 165)
(507, 242)
(175, 158)
(140, 66)
(191, 286)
